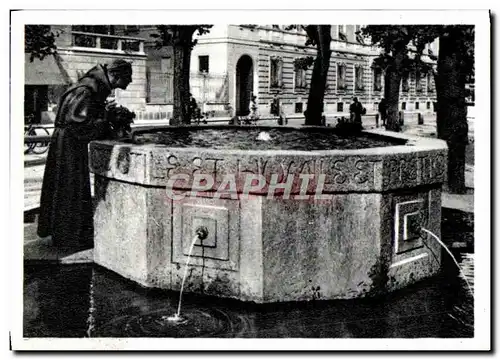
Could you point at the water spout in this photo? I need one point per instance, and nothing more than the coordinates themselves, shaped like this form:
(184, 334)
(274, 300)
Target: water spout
(453, 257)
(201, 234)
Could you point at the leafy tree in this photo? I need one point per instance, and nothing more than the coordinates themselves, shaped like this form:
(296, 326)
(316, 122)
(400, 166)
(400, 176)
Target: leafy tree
(303, 62)
(39, 41)
(455, 68)
(394, 40)
(180, 37)
(320, 36)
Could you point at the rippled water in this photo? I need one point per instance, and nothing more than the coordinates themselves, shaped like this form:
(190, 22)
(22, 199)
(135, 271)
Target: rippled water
(86, 300)
(89, 301)
(280, 139)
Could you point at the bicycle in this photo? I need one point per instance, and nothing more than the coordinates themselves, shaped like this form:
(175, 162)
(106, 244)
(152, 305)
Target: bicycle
(35, 130)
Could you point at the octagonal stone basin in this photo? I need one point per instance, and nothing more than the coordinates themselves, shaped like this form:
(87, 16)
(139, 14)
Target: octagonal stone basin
(360, 238)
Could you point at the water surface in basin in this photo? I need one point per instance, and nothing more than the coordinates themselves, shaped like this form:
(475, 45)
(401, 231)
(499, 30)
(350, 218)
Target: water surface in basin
(89, 301)
(264, 139)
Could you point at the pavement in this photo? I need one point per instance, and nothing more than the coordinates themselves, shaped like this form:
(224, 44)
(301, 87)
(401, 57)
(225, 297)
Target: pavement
(36, 250)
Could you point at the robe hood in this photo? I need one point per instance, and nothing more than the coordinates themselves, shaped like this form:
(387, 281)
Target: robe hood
(97, 79)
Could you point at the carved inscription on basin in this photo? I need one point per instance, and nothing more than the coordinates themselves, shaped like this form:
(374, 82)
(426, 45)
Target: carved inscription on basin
(339, 173)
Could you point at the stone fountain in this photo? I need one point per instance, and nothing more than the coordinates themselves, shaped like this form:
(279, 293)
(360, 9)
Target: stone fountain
(362, 238)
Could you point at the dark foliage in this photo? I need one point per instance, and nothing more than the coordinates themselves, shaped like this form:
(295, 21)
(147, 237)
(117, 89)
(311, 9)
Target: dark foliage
(39, 41)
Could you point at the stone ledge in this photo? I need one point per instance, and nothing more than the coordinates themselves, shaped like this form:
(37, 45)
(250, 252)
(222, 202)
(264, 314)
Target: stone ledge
(419, 161)
(36, 251)
(458, 202)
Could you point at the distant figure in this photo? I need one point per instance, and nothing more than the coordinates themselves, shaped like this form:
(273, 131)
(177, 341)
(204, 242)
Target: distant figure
(275, 106)
(357, 110)
(382, 110)
(66, 210)
(192, 108)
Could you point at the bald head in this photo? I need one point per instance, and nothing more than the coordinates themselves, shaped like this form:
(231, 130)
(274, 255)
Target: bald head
(120, 73)
(119, 67)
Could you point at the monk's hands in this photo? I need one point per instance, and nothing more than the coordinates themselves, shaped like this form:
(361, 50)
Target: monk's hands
(110, 104)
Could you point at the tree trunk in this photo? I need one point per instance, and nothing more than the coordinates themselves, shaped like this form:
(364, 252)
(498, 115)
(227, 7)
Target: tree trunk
(452, 110)
(186, 85)
(319, 77)
(392, 82)
(60, 66)
(177, 116)
(182, 61)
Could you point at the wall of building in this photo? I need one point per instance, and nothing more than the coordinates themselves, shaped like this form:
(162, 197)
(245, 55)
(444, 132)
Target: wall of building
(288, 46)
(159, 68)
(152, 88)
(217, 53)
(58, 72)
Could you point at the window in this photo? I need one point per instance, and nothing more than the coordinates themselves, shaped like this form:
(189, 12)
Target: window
(358, 78)
(95, 37)
(159, 81)
(276, 75)
(131, 29)
(403, 105)
(430, 88)
(342, 33)
(300, 65)
(428, 105)
(131, 46)
(341, 83)
(418, 82)
(166, 64)
(300, 78)
(91, 41)
(377, 79)
(298, 107)
(203, 63)
(404, 83)
(417, 105)
(95, 29)
(340, 107)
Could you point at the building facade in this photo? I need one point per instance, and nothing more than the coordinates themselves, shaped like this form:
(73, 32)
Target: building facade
(264, 61)
(229, 66)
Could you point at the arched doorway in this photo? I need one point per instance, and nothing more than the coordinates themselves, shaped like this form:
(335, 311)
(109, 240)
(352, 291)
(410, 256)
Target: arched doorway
(244, 85)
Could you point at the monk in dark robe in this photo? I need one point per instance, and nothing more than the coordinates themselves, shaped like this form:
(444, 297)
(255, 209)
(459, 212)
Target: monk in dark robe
(66, 211)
